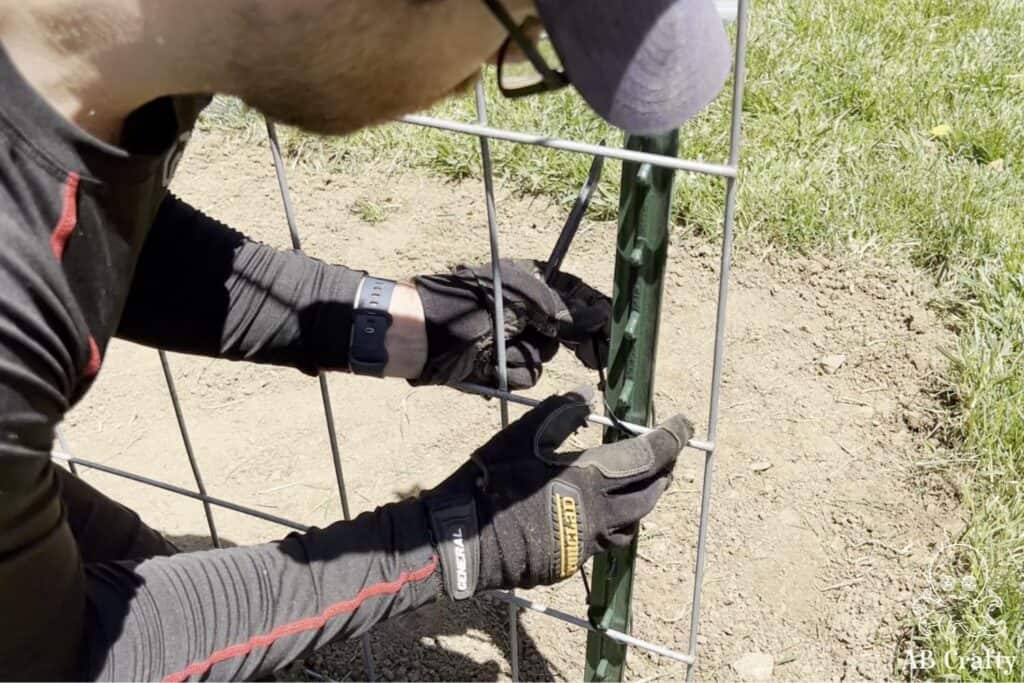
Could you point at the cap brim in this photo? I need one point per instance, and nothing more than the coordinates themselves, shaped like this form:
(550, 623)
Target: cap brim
(643, 65)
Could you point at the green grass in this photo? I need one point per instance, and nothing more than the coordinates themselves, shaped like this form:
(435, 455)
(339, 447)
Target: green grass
(372, 212)
(887, 126)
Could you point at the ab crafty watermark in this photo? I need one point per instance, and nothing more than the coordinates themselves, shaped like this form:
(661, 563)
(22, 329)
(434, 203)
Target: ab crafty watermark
(923, 661)
(958, 576)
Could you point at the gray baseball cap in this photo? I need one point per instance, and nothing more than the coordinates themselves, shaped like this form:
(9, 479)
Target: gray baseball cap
(644, 65)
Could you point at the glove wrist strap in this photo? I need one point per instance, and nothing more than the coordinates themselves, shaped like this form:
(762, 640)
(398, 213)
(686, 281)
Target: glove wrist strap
(454, 524)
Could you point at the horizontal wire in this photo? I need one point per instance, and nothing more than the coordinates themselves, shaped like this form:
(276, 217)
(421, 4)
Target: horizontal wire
(65, 457)
(719, 170)
(636, 429)
(583, 623)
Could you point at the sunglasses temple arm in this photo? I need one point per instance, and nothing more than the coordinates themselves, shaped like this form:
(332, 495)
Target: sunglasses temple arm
(552, 78)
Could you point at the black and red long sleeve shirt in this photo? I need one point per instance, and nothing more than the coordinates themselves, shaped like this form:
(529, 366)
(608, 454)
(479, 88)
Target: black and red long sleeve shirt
(92, 246)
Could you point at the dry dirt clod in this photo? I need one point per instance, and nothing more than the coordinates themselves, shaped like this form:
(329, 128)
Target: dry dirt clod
(916, 421)
(754, 666)
(921, 362)
(686, 475)
(830, 364)
(916, 320)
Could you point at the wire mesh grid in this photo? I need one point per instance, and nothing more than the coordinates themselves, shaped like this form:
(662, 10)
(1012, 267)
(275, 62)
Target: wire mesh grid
(739, 12)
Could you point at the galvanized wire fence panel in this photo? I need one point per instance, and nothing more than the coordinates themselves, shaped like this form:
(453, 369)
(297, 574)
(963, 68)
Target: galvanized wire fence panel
(706, 445)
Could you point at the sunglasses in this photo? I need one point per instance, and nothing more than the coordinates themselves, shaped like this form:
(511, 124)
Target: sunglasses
(536, 76)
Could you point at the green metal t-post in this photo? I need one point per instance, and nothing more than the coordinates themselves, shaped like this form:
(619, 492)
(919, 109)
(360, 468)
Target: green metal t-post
(644, 209)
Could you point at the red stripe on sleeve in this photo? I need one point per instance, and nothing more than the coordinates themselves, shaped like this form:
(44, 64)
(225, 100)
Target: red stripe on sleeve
(92, 366)
(308, 624)
(68, 217)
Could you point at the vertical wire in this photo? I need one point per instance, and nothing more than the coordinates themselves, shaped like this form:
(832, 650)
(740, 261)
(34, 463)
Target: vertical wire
(66, 448)
(189, 452)
(732, 185)
(499, 322)
(325, 396)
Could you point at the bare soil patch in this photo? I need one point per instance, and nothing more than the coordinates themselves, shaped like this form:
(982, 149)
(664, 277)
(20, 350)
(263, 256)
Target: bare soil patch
(822, 523)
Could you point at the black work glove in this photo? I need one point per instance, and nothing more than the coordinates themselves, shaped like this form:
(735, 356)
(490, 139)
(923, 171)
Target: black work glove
(460, 326)
(518, 514)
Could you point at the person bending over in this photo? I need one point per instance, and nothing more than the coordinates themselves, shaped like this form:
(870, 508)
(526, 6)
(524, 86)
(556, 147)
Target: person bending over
(96, 103)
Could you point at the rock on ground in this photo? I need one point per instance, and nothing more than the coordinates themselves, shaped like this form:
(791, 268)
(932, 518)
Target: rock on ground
(754, 666)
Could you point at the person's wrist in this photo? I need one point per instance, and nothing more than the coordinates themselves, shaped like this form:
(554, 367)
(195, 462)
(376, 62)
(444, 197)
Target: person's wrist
(406, 338)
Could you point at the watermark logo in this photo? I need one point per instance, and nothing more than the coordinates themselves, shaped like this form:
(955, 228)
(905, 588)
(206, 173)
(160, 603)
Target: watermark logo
(922, 661)
(958, 571)
(918, 659)
(958, 577)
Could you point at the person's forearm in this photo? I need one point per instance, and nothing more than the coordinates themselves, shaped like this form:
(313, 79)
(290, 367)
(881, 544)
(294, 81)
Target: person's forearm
(203, 288)
(406, 339)
(240, 613)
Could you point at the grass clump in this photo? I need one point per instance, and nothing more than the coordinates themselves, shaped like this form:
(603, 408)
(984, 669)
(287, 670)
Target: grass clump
(893, 126)
(372, 211)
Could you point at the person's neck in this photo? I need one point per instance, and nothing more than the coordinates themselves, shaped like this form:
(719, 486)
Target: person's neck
(96, 62)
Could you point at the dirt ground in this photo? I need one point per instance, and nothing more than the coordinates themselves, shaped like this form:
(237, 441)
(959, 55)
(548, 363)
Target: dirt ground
(822, 521)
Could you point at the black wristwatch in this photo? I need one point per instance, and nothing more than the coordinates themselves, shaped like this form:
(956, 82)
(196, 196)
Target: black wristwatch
(367, 353)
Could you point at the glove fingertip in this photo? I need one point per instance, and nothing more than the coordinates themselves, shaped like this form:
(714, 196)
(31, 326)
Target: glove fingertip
(679, 426)
(583, 393)
(562, 415)
(669, 439)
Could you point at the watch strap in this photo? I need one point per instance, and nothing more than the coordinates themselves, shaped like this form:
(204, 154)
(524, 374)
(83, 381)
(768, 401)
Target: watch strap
(367, 351)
